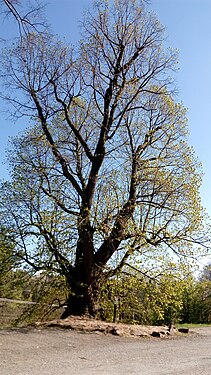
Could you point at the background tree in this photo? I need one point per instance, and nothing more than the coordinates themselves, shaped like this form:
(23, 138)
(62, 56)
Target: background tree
(143, 300)
(196, 302)
(106, 174)
(6, 258)
(206, 273)
(11, 279)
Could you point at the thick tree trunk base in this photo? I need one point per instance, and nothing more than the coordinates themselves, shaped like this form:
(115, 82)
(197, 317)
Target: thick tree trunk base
(75, 306)
(80, 305)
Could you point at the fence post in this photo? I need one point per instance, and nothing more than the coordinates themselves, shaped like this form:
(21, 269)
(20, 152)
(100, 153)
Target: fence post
(115, 309)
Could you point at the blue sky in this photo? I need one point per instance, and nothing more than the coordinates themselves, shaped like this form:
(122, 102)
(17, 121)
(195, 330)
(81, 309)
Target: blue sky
(188, 29)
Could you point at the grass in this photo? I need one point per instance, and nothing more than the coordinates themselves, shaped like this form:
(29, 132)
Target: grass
(193, 325)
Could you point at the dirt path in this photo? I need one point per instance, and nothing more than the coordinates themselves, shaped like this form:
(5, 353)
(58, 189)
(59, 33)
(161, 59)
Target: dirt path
(67, 352)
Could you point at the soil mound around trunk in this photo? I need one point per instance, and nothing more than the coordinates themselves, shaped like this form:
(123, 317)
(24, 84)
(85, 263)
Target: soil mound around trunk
(117, 329)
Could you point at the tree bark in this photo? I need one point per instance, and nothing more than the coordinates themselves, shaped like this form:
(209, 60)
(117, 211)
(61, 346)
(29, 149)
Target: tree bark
(82, 300)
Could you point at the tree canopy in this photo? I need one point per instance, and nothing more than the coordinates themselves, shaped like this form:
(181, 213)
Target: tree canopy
(104, 174)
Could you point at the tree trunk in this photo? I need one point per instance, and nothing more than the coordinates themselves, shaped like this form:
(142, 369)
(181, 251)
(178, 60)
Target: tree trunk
(82, 300)
(81, 280)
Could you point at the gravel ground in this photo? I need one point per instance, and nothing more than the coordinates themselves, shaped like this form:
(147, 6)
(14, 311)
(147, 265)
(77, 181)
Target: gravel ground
(68, 352)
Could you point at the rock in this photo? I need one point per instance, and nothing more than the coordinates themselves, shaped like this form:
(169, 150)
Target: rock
(112, 331)
(183, 330)
(155, 334)
(171, 329)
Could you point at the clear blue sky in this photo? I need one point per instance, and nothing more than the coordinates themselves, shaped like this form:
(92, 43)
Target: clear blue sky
(188, 28)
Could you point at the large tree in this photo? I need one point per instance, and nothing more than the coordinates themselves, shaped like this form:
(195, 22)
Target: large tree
(105, 174)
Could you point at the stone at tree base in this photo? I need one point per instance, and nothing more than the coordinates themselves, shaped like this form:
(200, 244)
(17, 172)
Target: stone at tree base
(183, 330)
(171, 329)
(155, 334)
